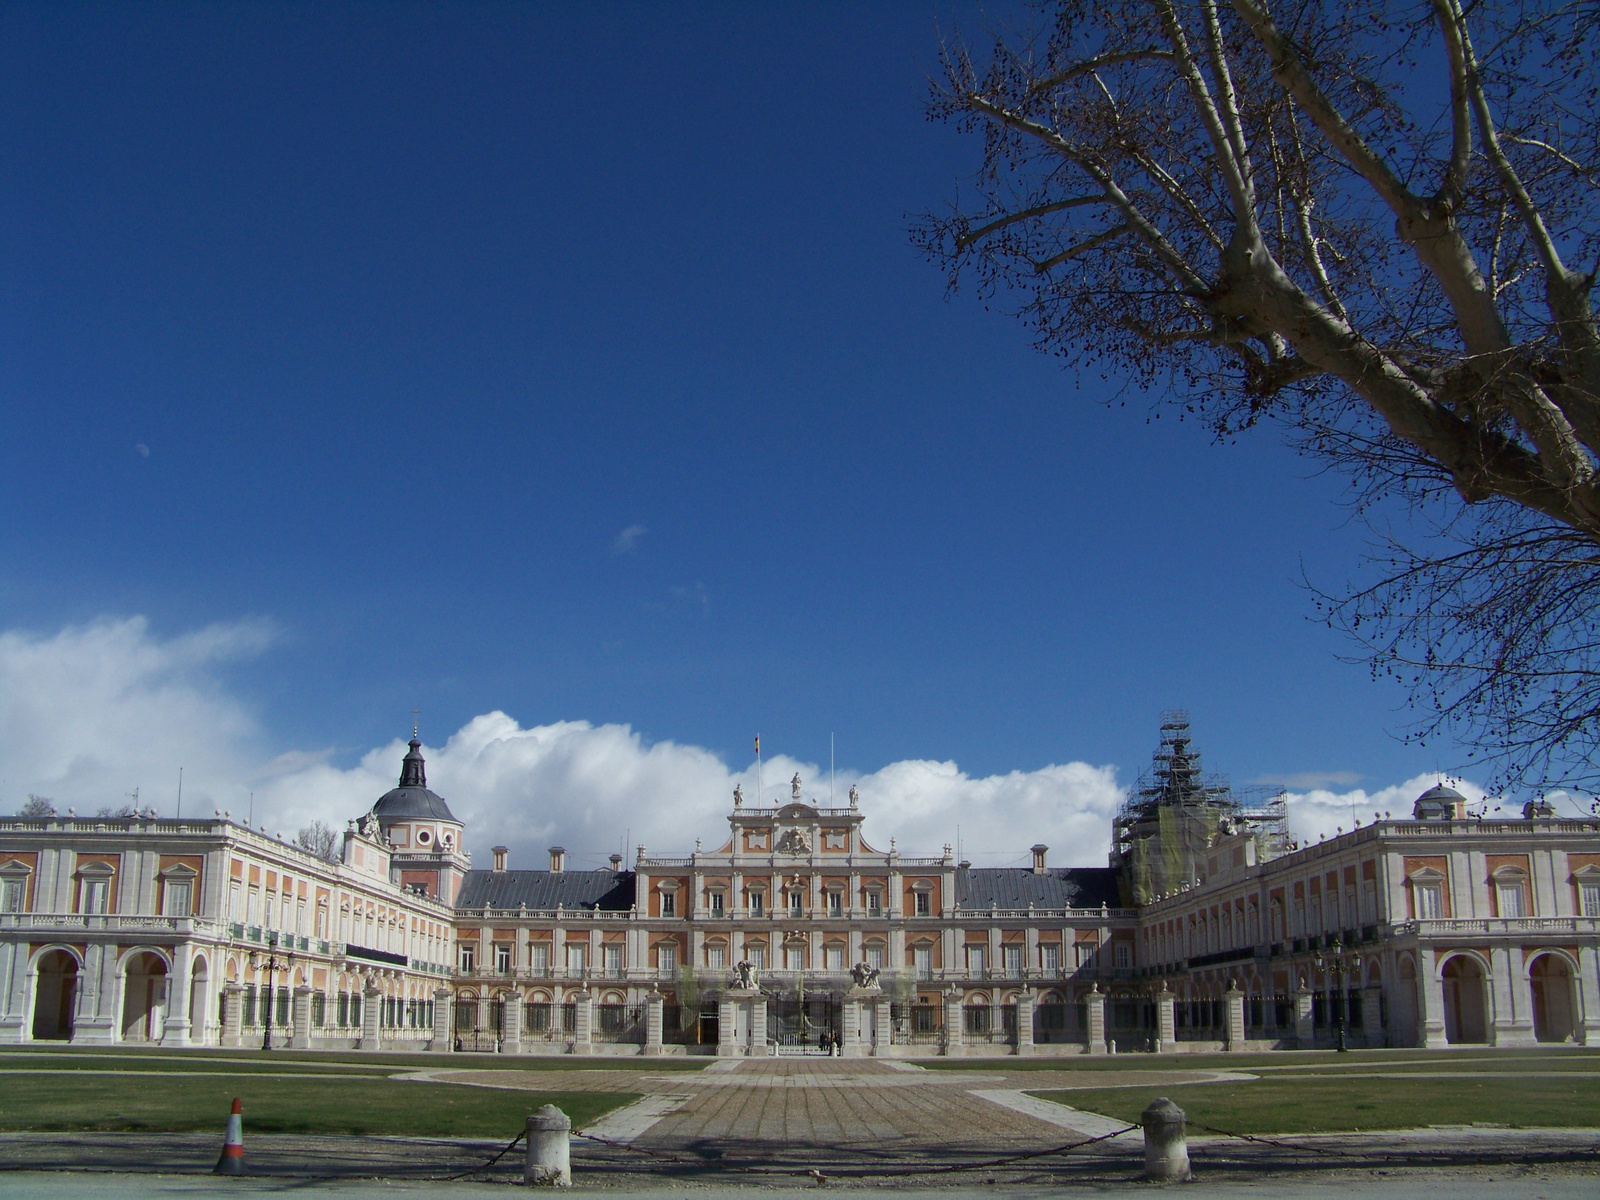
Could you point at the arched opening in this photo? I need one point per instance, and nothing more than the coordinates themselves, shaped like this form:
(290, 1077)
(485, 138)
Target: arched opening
(1551, 978)
(55, 997)
(144, 997)
(1405, 1031)
(1463, 1002)
(199, 990)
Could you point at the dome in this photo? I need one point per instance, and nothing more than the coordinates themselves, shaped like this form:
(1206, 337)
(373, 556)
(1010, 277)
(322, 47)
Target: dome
(1438, 803)
(412, 800)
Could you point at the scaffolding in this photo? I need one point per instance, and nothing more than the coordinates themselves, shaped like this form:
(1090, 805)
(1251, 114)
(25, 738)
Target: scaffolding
(1166, 830)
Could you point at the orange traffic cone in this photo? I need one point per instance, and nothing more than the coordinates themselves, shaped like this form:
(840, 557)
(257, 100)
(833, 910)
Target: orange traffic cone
(232, 1160)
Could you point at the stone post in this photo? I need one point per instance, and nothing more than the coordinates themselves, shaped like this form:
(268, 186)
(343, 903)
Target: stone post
(583, 1033)
(231, 1013)
(1095, 1005)
(1233, 1012)
(652, 1022)
(511, 1029)
(300, 1019)
(549, 1161)
(954, 1043)
(1166, 1021)
(441, 1043)
(851, 1031)
(1166, 1144)
(883, 1037)
(371, 1014)
(1305, 1034)
(1025, 1001)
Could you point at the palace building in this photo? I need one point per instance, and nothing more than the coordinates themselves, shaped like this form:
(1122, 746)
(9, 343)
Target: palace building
(1209, 929)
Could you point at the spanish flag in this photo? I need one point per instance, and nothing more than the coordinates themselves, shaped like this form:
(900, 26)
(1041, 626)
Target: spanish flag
(758, 743)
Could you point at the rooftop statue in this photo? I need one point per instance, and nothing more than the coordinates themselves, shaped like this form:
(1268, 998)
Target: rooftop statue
(738, 795)
(794, 786)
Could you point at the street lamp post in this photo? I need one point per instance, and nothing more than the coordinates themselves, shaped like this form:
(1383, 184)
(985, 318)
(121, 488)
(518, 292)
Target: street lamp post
(1337, 963)
(271, 968)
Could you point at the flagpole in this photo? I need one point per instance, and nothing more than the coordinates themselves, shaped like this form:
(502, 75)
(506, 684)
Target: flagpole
(830, 770)
(758, 770)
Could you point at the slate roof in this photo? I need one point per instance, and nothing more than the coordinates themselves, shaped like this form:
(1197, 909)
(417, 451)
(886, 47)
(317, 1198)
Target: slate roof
(1018, 887)
(412, 799)
(603, 889)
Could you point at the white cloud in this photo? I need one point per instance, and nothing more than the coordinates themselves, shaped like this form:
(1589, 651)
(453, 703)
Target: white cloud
(628, 540)
(91, 712)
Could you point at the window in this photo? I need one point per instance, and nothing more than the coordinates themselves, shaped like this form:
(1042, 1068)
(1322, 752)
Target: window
(716, 903)
(233, 902)
(795, 958)
(1013, 961)
(757, 902)
(1086, 952)
(757, 957)
(502, 959)
(1589, 899)
(666, 961)
(835, 904)
(874, 903)
(11, 894)
(1124, 956)
(175, 898)
(322, 920)
(717, 957)
(539, 957)
(975, 960)
(669, 904)
(94, 895)
(1510, 896)
(835, 957)
(875, 957)
(469, 957)
(797, 903)
(924, 904)
(252, 908)
(576, 953)
(922, 961)
(1050, 959)
(613, 960)
(1430, 902)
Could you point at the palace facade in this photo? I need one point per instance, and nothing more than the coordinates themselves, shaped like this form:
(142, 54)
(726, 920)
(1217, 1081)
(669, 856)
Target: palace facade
(1209, 930)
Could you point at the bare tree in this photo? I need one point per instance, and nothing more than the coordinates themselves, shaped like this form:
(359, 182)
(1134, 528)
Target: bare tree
(319, 839)
(37, 806)
(1376, 224)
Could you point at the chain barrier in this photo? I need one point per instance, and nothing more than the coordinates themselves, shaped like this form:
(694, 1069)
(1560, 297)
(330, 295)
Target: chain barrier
(508, 1148)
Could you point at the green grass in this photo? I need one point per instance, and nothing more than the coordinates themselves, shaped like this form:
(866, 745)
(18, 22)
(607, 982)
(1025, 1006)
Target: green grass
(1286, 1104)
(70, 1101)
(1554, 1058)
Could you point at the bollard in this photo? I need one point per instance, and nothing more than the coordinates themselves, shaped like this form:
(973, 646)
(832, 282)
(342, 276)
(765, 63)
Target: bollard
(1166, 1147)
(231, 1161)
(549, 1148)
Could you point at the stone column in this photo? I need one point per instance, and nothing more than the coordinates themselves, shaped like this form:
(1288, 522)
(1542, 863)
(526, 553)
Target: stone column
(1025, 1001)
(1372, 1030)
(726, 1046)
(1512, 997)
(1586, 1022)
(954, 1044)
(511, 1030)
(442, 1042)
(1233, 1012)
(583, 1033)
(1166, 1021)
(232, 1004)
(652, 1022)
(175, 1023)
(1305, 1034)
(300, 1019)
(851, 1032)
(371, 1014)
(884, 1038)
(758, 1024)
(1430, 1001)
(1095, 1003)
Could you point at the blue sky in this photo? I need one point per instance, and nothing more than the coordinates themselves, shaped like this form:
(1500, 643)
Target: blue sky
(417, 309)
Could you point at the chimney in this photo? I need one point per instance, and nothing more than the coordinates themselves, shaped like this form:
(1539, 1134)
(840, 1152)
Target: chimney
(616, 864)
(500, 853)
(558, 859)
(1038, 857)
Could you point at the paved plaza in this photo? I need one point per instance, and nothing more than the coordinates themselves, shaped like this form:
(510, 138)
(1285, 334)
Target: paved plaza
(856, 1123)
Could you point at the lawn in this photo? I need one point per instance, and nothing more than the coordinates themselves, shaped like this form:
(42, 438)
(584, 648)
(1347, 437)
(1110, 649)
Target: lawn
(1290, 1104)
(73, 1101)
(1554, 1058)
